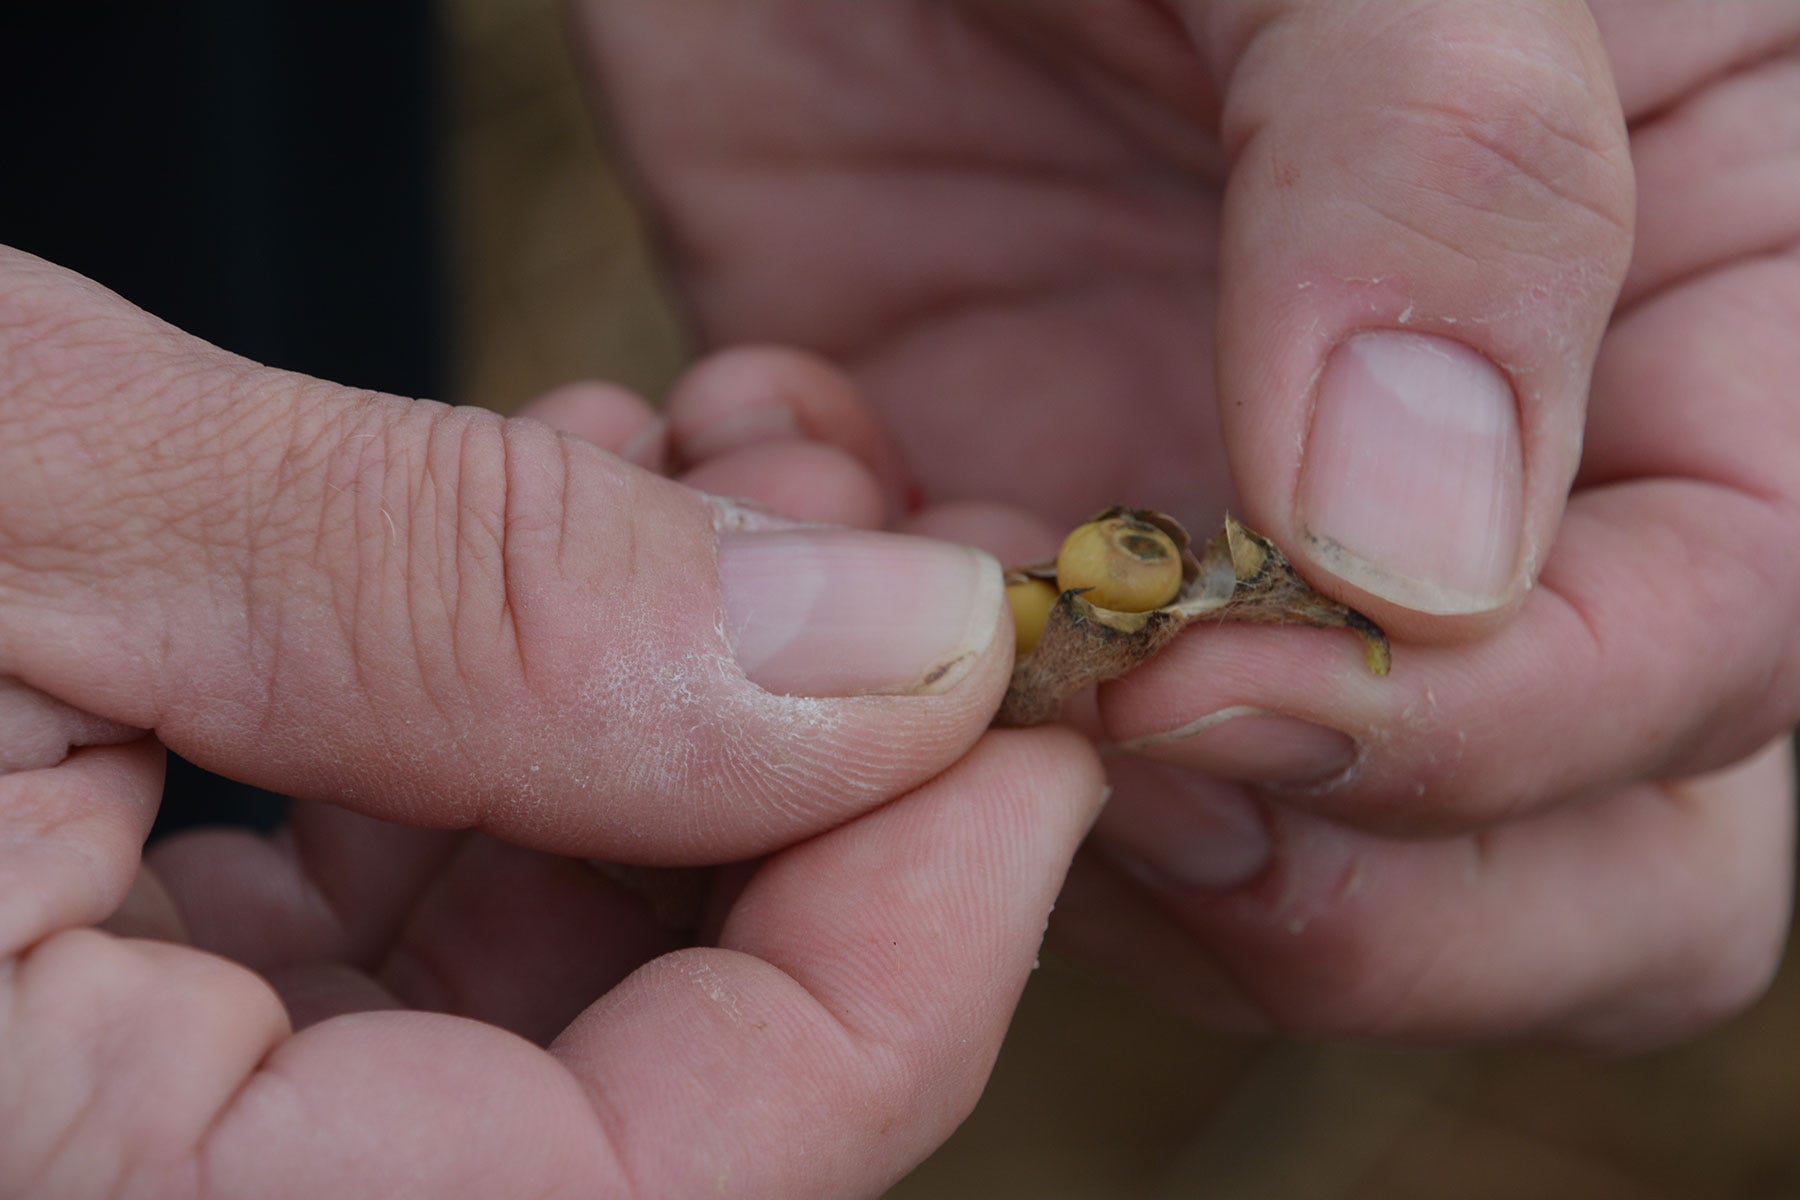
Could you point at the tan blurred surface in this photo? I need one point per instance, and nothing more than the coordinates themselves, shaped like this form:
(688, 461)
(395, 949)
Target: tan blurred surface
(553, 272)
(1099, 1095)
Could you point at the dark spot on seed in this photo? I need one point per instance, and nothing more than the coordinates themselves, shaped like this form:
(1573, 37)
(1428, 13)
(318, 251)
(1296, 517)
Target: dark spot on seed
(1142, 545)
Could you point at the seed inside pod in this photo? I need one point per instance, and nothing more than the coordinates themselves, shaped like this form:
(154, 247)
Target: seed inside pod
(1097, 629)
(1123, 563)
(1031, 601)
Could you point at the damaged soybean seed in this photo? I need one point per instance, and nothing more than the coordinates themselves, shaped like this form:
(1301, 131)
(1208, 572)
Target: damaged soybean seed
(1121, 563)
(1239, 575)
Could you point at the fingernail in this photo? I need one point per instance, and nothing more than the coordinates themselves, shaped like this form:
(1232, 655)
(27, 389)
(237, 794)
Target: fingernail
(1412, 481)
(1254, 745)
(1171, 828)
(829, 612)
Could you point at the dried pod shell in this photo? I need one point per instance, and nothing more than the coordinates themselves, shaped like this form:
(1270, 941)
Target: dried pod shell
(1239, 576)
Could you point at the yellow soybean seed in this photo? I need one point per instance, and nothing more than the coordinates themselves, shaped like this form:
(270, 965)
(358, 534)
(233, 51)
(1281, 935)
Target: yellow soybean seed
(1031, 602)
(1125, 564)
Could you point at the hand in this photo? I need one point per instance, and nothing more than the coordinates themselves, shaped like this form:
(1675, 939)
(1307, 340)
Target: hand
(522, 648)
(1366, 274)
(430, 614)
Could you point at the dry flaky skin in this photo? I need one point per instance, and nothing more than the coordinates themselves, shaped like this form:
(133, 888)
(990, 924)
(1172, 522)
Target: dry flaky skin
(1238, 576)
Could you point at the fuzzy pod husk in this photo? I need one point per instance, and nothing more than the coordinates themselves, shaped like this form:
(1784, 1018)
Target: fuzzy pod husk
(1238, 575)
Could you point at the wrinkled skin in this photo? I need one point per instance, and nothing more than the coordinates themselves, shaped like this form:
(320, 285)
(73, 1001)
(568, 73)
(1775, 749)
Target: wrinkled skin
(991, 218)
(1079, 253)
(387, 608)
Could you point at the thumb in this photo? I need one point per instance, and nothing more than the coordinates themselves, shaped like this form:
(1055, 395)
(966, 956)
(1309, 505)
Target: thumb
(436, 616)
(1427, 220)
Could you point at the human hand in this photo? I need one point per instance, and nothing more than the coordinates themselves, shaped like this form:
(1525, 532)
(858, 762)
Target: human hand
(473, 648)
(1557, 466)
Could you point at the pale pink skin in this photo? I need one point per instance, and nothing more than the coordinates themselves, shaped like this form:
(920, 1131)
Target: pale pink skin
(1010, 225)
(472, 1015)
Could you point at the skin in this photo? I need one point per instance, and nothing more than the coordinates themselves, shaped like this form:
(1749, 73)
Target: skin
(417, 987)
(1053, 227)
(338, 1010)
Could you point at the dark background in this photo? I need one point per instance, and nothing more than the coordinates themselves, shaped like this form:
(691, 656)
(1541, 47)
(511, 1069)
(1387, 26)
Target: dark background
(261, 173)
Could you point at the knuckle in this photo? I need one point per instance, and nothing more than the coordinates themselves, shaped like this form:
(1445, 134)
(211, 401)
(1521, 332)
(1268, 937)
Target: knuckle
(459, 548)
(498, 517)
(1726, 910)
(414, 542)
(439, 541)
(1519, 139)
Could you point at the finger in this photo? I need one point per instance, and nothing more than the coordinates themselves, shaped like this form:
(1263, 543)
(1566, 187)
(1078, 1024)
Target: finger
(313, 908)
(1665, 53)
(822, 1072)
(1617, 925)
(37, 730)
(343, 913)
(851, 963)
(438, 617)
(314, 992)
(753, 395)
(614, 418)
(1718, 183)
(1622, 666)
(808, 481)
(1423, 239)
(70, 837)
(1011, 534)
(330, 886)
(146, 912)
(519, 939)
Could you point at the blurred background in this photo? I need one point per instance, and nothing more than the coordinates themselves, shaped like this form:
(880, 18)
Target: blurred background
(408, 195)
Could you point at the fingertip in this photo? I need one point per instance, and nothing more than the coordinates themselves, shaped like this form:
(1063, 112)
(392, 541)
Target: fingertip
(760, 394)
(1179, 830)
(848, 965)
(1268, 711)
(147, 911)
(74, 833)
(1053, 752)
(807, 481)
(612, 417)
(1406, 479)
(1422, 248)
(1011, 534)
